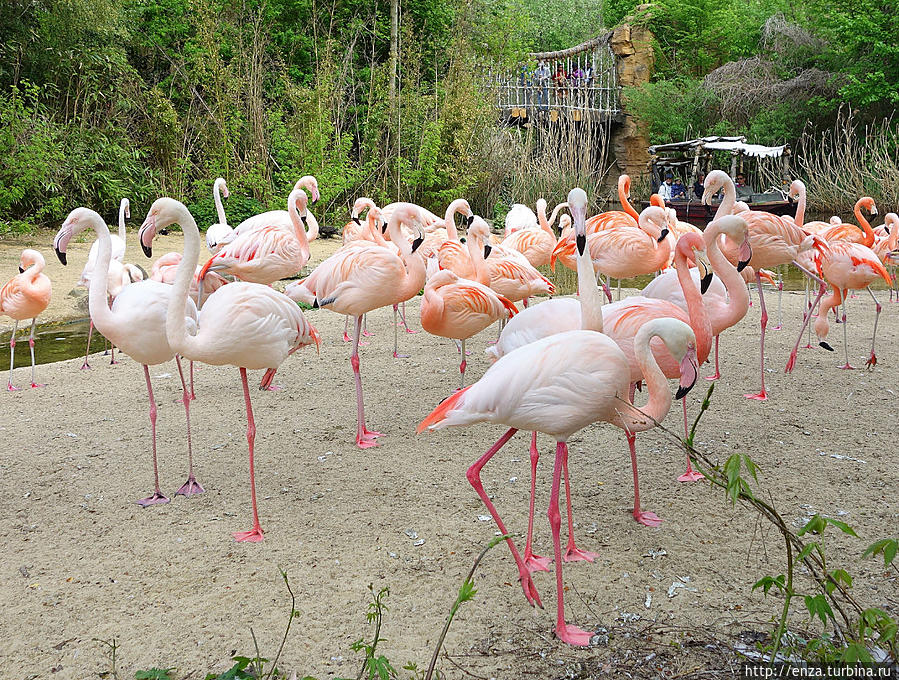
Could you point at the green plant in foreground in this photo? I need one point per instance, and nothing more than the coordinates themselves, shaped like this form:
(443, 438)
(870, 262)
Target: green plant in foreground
(376, 666)
(155, 674)
(857, 630)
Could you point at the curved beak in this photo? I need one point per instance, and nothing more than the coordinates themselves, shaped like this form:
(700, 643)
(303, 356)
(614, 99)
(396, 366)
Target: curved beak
(146, 234)
(487, 249)
(663, 235)
(745, 255)
(705, 270)
(61, 241)
(579, 218)
(303, 218)
(469, 220)
(21, 269)
(417, 243)
(383, 227)
(689, 372)
(357, 220)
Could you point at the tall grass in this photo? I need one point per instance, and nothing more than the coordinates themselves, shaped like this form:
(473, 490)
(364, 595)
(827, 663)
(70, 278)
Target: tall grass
(848, 161)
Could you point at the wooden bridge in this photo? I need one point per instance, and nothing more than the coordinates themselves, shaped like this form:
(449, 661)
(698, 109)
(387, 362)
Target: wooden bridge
(579, 83)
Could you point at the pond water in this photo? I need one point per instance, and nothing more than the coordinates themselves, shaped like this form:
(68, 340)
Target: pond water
(54, 341)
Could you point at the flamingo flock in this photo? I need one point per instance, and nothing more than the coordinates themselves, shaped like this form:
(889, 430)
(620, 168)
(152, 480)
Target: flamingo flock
(558, 366)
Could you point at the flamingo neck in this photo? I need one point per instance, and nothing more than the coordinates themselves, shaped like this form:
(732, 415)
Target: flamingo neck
(624, 188)
(449, 221)
(175, 326)
(476, 253)
(865, 225)
(659, 403)
(589, 294)
(734, 309)
(415, 267)
(546, 225)
(729, 200)
(122, 221)
(800, 209)
(554, 214)
(219, 208)
(97, 299)
(298, 228)
(699, 317)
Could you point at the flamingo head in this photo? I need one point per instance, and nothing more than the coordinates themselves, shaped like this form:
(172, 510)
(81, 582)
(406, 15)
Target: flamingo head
(478, 228)
(680, 340)
(359, 206)
(691, 245)
(867, 203)
(77, 221)
(797, 189)
(125, 207)
(714, 181)
(577, 206)
(30, 258)
(836, 220)
(654, 221)
(735, 228)
(222, 187)
(308, 182)
(163, 213)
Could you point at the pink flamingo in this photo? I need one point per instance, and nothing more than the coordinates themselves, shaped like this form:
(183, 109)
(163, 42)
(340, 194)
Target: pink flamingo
(217, 234)
(518, 218)
(355, 281)
(267, 253)
(459, 309)
(25, 296)
(850, 232)
(165, 270)
(775, 240)
(246, 325)
(726, 299)
(536, 244)
(846, 265)
(512, 278)
(137, 324)
(281, 218)
(626, 217)
(885, 247)
(559, 385)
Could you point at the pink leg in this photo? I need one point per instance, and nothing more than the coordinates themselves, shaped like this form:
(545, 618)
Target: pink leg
(717, 374)
(474, 478)
(565, 632)
(90, 333)
(12, 350)
(346, 327)
(462, 365)
(395, 338)
(191, 486)
(763, 395)
(266, 383)
(31, 346)
(365, 332)
(193, 395)
(780, 293)
(403, 317)
(112, 361)
(254, 535)
(791, 362)
(525, 303)
(364, 438)
(572, 552)
(690, 475)
(872, 361)
(846, 366)
(533, 562)
(157, 496)
(650, 519)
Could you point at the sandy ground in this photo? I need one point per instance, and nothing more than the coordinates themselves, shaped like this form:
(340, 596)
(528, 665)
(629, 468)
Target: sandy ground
(81, 562)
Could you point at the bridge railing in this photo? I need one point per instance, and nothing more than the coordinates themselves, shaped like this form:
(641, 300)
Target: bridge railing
(580, 79)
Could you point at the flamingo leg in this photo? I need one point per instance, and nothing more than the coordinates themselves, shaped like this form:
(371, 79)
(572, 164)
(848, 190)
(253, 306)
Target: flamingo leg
(193, 395)
(396, 336)
(254, 535)
(157, 497)
(403, 317)
(780, 314)
(791, 362)
(474, 478)
(763, 395)
(462, 365)
(846, 366)
(690, 475)
(112, 361)
(565, 632)
(459, 348)
(90, 333)
(31, 347)
(365, 332)
(717, 373)
(572, 552)
(872, 360)
(533, 562)
(346, 329)
(12, 350)
(645, 517)
(364, 437)
(191, 486)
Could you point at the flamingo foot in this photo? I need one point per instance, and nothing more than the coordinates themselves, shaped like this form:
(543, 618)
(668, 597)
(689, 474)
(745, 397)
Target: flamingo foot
(575, 554)
(527, 585)
(113, 362)
(347, 338)
(400, 356)
(761, 396)
(791, 363)
(190, 488)
(367, 438)
(271, 388)
(775, 328)
(870, 363)
(34, 384)
(158, 498)
(11, 388)
(254, 535)
(573, 635)
(691, 476)
(647, 518)
(410, 331)
(809, 346)
(846, 367)
(536, 563)
(367, 334)
(85, 366)
(717, 376)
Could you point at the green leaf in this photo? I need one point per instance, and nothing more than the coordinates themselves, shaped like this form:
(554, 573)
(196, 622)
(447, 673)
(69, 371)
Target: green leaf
(806, 551)
(154, 674)
(467, 591)
(885, 546)
(815, 525)
(842, 526)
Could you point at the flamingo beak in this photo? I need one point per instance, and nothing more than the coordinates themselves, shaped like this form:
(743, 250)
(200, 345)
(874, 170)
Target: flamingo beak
(469, 220)
(745, 255)
(62, 241)
(21, 269)
(705, 271)
(826, 346)
(303, 218)
(417, 243)
(581, 240)
(357, 220)
(663, 235)
(146, 234)
(225, 192)
(487, 249)
(689, 372)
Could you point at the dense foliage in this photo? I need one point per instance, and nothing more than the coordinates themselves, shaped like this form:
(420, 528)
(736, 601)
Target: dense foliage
(101, 99)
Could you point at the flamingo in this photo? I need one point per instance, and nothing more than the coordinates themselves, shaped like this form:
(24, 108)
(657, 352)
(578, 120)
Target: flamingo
(726, 299)
(246, 325)
(435, 238)
(626, 217)
(219, 233)
(310, 184)
(165, 270)
(25, 296)
(282, 219)
(775, 240)
(559, 385)
(535, 244)
(846, 265)
(136, 322)
(355, 281)
(519, 217)
(267, 253)
(354, 230)
(429, 221)
(117, 273)
(459, 309)
(514, 279)
(885, 247)
(850, 232)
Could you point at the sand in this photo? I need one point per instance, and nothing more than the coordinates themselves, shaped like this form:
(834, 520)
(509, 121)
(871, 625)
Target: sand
(82, 562)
